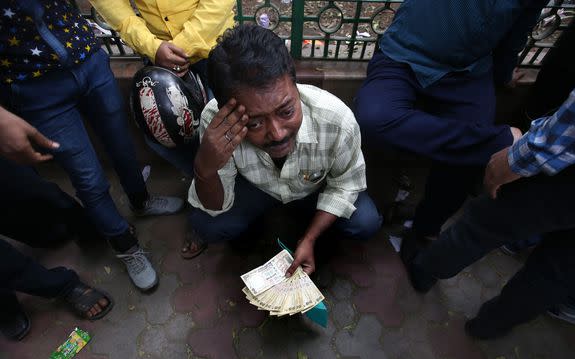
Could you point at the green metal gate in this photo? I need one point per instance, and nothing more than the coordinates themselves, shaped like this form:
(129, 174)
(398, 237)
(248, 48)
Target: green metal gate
(348, 30)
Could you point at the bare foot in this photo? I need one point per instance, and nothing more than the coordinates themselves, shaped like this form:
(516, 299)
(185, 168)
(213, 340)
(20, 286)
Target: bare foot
(516, 133)
(97, 307)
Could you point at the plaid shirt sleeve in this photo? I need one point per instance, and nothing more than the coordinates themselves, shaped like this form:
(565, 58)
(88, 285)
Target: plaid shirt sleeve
(227, 173)
(549, 145)
(347, 174)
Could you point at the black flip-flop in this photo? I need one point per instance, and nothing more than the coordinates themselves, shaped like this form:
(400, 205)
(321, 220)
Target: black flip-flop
(82, 298)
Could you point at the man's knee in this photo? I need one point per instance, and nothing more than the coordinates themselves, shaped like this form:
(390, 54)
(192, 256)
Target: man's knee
(368, 225)
(91, 188)
(376, 118)
(365, 222)
(212, 229)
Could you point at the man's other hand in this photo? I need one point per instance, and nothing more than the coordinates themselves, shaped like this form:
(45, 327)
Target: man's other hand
(303, 257)
(498, 172)
(172, 58)
(17, 139)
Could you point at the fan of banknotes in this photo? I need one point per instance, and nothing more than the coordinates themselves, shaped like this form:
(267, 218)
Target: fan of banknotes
(269, 289)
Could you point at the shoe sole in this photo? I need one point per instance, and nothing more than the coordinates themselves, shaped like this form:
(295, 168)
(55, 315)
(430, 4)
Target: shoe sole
(567, 319)
(151, 286)
(24, 333)
(508, 252)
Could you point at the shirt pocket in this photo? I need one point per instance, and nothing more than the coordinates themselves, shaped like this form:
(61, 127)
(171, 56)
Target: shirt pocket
(308, 180)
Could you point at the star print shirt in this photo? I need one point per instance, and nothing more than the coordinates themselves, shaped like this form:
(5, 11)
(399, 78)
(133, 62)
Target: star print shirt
(37, 36)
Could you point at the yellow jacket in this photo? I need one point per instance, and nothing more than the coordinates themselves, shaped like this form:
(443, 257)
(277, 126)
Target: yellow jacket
(193, 25)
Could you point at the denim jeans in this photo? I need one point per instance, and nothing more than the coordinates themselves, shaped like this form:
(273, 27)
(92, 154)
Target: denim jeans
(181, 157)
(251, 203)
(55, 104)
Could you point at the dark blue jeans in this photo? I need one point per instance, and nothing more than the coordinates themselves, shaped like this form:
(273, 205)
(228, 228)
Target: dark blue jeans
(450, 122)
(250, 203)
(55, 104)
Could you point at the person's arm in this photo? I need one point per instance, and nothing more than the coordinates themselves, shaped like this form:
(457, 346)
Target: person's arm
(213, 184)
(344, 181)
(304, 253)
(548, 147)
(17, 140)
(120, 15)
(200, 32)
(505, 55)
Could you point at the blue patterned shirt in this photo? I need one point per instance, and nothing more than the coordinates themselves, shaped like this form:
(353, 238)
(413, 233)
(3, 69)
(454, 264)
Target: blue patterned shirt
(438, 37)
(549, 146)
(37, 36)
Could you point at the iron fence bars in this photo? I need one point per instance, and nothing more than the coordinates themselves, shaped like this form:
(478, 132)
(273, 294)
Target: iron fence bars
(328, 30)
(345, 30)
(553, 20)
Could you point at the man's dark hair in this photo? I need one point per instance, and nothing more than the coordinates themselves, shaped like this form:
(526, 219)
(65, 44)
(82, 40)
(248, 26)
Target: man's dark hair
(247, 56)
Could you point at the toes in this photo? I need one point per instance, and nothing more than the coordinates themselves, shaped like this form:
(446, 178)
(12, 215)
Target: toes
(103, 302)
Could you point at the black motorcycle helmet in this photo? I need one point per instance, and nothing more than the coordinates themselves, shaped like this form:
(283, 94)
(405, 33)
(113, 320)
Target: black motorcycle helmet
(166, 107)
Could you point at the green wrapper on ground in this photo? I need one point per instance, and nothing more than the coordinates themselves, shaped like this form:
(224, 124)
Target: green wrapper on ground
(75, 342)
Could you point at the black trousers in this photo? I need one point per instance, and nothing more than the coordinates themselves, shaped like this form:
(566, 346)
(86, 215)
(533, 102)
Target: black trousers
(39, 213)
(530, 206)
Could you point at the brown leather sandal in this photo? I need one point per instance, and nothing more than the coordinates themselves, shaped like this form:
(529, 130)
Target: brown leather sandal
(192, 247)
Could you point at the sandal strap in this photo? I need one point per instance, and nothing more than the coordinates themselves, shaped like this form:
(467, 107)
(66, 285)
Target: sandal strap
(83, 301)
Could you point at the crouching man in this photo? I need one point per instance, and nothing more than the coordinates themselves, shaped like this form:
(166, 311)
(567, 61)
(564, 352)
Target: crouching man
(267, 141)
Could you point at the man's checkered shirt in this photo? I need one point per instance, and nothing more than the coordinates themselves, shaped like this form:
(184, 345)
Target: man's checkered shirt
(327, 157)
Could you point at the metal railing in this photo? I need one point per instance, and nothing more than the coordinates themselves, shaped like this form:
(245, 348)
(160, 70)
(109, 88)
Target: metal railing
(345, 30)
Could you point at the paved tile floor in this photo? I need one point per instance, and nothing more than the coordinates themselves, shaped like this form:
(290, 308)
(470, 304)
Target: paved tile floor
(198, 310)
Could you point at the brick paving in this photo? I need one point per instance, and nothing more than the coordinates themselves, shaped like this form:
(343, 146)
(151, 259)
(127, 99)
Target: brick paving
(198, 310)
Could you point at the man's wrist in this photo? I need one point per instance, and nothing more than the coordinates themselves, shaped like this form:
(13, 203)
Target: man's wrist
(309, 239)
(205, 176)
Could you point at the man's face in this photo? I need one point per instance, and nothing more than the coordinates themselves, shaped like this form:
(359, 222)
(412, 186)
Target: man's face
(274, 116)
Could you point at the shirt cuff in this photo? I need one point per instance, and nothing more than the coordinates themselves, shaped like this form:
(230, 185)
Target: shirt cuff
(195, 201)
(150, 49)
(335, 205)
(522, 160)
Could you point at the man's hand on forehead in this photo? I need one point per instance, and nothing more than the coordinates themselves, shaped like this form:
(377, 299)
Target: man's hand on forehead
(224, 133)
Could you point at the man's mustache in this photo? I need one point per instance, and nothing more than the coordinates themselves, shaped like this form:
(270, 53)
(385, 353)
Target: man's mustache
(277, 143)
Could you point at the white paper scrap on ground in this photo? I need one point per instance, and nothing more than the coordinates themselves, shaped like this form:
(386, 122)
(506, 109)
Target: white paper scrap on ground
(408, 223)
(395, 242)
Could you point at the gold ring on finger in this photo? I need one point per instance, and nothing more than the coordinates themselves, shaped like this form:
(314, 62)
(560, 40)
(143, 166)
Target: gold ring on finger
(228, 137)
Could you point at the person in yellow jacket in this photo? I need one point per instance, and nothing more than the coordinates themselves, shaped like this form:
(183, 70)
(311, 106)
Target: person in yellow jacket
(177, 35)
(171, 33)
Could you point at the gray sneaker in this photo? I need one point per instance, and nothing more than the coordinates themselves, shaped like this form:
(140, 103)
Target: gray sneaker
(160, 205)
(139, 268)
